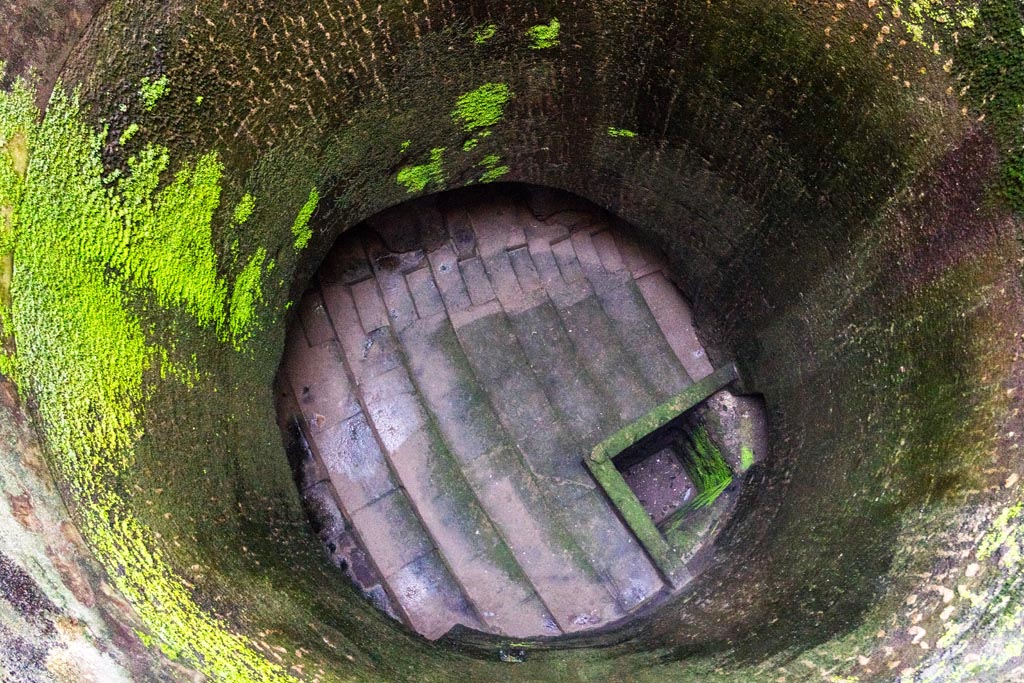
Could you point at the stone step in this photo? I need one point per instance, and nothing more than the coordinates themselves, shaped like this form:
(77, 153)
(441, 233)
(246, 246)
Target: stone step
(625, 305)
(522, 485)
(548, 554)
(609, 545)
(523, 408)
(529, 282)
(562, 373)
(388, 270)
(596, 338)
(676, 322)
(381, 517)
(482, 561)
(368, 456)
(430, 600)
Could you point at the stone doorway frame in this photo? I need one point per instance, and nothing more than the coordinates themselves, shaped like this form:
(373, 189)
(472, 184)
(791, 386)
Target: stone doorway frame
(667, 558)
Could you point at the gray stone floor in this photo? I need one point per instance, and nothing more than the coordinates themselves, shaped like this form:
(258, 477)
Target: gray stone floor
(445, 397)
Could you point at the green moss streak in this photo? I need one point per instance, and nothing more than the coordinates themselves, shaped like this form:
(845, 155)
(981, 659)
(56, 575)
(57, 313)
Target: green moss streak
(164, 240)
(244, 297)
(621, 132)
(494, 174)
(89, 247)
(18, 116)
(746, 458)
(152, 90)
(543, 36)
(128, 134)
(482, 107)
(244, 209)
(920, 15)
(494, 171)
(484, 33)
(300, 228)
(417, 178)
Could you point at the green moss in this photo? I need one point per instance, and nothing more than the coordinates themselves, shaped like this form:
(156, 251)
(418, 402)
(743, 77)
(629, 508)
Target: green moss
(300, 228)
(543, 36)
(246, 294)
(151, 90)
(482, 107)
(494, 170)
(128, 134)
(1001, 532)
(244, 208)
(164, 241)
(18, 121)
(989, 60)
(706, 468)
(919, 16)
(470, 145)
(417, 178)
(746, 458)
(493, 174)
(621, 132)
(92, 247)
(484, 33)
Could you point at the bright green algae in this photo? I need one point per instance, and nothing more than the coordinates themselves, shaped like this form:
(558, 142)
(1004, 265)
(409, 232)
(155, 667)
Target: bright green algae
(621, 132)
(543, 36)
(90, 246)
(477, 109)
(300, 228)
(417, 178)
(482, 107)
(152, 89)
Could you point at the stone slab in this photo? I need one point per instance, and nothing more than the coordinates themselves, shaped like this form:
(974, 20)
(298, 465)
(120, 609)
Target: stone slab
(391, 533)
(398, 301)
(608, 251)
(562, 374)
(460, 231)
(320, 384)
(424, 293)
(346, 262)
(573, 594)
(640, 332)
(430, 599)
(568, 264)
(496, 227)
(369, 305)
(473, 550)
(477, 283)
(449, 388)
(355, 463)
(676, 322)
(607, 360)
(525, 269)
(315, 322)
(445, 267)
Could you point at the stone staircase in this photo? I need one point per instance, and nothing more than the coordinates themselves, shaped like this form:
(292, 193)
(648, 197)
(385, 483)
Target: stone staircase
(449, 396)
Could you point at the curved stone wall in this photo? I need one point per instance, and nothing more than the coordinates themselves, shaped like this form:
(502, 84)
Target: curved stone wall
(822, 177)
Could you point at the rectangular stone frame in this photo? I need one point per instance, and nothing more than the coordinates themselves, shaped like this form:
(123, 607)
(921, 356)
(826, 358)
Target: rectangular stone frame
(665, 557)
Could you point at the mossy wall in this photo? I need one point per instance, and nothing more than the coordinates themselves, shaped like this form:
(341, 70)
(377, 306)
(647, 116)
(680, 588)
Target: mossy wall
(821, 175)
